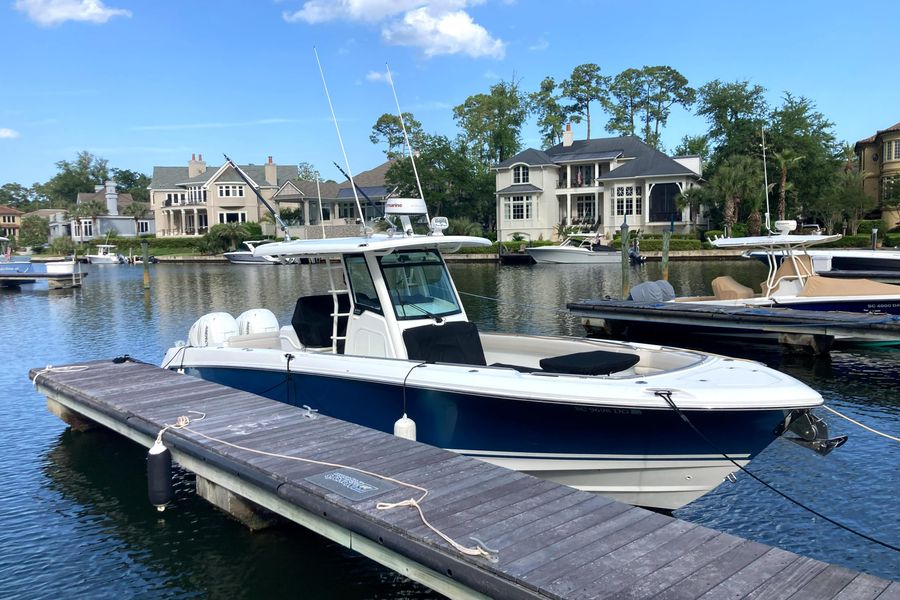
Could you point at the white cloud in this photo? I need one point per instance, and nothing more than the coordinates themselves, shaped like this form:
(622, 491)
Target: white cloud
(436, 26)
(540, 45)
(55, 12)
(443, 33)
(378, 76)
(8, 134)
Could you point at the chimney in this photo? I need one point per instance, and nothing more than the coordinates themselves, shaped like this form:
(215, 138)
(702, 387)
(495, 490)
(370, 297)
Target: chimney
(196, 166)
(567, 135)
(271, 172)
(112, 198)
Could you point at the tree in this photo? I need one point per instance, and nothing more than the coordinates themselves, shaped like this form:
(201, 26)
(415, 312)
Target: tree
(33, 231)
(137, 211)
(848, 194)
(785, 159)
(492, 122)
(551, 115)
(738, 177)
(584, 86)
(81, 175)
(693, 145)
(134, 183)
(228, 235)
(307, 172)
(17, 196)
(455, 182)
(735, 113)
(626, 97)
(665, 88)
(389, 130)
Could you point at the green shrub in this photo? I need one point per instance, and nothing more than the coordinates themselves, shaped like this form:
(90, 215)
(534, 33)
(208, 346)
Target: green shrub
(891, 240)
(849, 241)
(655, 245)
(866, 227)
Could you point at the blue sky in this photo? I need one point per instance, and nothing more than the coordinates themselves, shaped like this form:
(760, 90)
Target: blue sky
(150, 83)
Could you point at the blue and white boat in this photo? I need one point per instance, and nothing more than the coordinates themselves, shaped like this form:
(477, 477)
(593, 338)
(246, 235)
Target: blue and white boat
(21, 266)
(390, 338)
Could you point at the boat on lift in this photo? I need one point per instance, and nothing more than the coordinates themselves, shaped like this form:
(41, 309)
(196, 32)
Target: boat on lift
(793, 280)
(390, 338)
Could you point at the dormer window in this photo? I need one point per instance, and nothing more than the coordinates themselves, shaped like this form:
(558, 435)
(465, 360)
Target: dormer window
(230, 191)
(520, 174)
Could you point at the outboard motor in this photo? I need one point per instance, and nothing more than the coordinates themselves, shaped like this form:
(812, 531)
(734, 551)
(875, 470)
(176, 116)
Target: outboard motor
(652, 291)
(812, 430)
(212, 329)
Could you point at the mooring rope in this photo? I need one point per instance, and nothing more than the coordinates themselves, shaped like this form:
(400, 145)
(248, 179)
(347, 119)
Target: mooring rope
(52, 369)
(857, 423)
(184, 421)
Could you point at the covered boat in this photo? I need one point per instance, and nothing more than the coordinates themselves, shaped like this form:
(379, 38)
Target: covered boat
(390, 338)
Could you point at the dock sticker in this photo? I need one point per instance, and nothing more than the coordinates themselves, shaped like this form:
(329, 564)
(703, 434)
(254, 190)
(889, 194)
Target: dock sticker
(350, 484)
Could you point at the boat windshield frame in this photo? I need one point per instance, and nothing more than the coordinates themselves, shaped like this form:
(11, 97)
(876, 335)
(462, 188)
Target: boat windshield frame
(419, 284)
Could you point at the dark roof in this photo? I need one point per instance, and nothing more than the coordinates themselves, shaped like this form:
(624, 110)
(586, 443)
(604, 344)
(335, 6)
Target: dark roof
(165, 178)
(9, 210)
(646, 161)
(371, 178)
(530, 157)
(519, 188)
(872, 138)
(122, 200)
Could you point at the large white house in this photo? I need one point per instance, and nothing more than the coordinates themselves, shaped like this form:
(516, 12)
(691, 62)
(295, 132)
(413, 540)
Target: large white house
(593, 184)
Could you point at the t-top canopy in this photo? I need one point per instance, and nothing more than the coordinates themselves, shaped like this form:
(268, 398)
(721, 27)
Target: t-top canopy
(375, 243)
(774, 241)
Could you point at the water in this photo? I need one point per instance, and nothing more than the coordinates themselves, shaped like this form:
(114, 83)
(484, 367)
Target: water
(75, 520)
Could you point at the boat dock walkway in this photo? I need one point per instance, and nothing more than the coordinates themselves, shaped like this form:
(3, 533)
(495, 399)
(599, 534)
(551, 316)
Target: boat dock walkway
(807, 329)
(548, 540)
(54, 280)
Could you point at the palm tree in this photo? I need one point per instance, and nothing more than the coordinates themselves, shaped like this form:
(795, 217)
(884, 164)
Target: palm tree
(136, 210)
(786, 158)
(737, 178)
(232, 233)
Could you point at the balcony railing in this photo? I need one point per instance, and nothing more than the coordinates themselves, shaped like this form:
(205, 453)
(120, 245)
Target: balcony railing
(589, 182)
(170, 203)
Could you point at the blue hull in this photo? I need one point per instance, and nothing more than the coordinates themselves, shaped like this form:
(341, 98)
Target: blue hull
(889, 306)
(485, 424)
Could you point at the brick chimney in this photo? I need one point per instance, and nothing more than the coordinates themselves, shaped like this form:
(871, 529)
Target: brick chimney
(567, 135)
(196, 166)
(112, 198)
(271, 172)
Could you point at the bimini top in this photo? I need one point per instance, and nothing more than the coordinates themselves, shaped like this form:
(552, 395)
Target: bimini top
(375, 243)
(774, 241)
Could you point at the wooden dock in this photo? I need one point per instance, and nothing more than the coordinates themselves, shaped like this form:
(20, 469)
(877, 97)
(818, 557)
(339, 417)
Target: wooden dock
(551, 541)
(54, 280)
(805, 329)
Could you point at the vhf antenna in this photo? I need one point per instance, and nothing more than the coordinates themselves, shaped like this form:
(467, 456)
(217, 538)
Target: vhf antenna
(412, 157)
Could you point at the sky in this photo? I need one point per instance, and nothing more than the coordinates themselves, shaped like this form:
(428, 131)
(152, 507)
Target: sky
(146, 84)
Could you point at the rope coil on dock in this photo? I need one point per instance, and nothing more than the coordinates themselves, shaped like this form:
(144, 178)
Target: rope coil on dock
(183, 422)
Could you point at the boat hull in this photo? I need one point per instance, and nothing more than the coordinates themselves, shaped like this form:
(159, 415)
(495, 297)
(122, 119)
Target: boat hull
(647, 457)
(103, 260)
(246, 258)
(578, 256)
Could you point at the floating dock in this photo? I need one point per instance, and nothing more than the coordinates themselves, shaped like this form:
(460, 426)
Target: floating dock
(546, 540)
(807, 330)
(54, 280)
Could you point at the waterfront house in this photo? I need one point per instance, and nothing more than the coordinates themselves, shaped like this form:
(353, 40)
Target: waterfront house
(878, 158)
(188, 200)
(10, 220)
(595, 185)
(99, 226)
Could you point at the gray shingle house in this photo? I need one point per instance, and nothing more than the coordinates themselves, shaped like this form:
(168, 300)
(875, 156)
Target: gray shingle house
(595, 185)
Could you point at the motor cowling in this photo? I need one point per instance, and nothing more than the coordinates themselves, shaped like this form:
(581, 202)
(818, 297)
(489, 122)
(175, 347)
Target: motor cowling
(212, 329)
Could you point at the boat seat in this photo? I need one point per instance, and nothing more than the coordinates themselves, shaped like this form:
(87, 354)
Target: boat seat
(313, 321)
(455, 342)
(726, 288)
(595, 362)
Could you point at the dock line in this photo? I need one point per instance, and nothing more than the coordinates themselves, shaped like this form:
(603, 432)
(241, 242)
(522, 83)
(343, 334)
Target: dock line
(183, 422)
(857, 423)
(667, 396)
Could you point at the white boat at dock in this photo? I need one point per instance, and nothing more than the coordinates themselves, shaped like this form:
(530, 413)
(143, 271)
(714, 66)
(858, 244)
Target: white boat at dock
(577, 248)
(390, 339)
(105, 255)
(246, 257)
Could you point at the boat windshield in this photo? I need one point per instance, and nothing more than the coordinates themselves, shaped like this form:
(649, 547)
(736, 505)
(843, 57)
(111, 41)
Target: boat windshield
(418, 284)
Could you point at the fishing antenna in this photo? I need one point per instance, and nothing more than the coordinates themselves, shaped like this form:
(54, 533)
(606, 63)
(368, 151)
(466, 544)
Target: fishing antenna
(340, 140)
(259, 197)
(360, 190)
(412, 158)
(765, 179)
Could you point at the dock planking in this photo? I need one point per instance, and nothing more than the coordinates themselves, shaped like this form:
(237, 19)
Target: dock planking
(552, 541)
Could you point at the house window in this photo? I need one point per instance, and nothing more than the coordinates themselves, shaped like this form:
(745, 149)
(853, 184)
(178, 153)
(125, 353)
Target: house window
(196, 194)
(583, 175)
(628, 200)
(520, 174)
(517, 208)
(231, 191)
(890, 191)
(143, 227)
(232, 217)
(584, 208)
(175, 197)
(87, 228)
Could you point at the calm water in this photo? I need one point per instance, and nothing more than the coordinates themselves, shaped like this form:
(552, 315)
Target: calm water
(75, 521)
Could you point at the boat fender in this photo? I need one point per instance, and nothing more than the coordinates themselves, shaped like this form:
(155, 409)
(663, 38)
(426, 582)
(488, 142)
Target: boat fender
(159, 476)
(405, 428)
